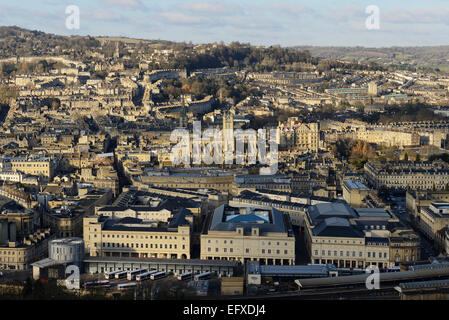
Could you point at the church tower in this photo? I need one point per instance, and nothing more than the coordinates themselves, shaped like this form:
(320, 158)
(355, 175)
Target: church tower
(228, 133)
(117, 51)
(183, 115)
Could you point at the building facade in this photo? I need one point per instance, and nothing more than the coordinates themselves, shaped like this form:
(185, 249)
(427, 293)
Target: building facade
(249, 234)
(298, 135)
(357, 238)
(131, 237)
(415, 176)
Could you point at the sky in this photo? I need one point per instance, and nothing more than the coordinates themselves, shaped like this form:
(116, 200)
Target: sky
(259, 22)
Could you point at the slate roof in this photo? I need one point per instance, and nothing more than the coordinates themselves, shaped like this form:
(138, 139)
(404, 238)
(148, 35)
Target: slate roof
(337, 227)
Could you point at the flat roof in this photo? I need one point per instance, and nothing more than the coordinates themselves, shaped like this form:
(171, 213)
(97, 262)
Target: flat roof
(266, 270)
(217, 263)
(440, 205)
(352, 184)
(372, 212)
(424, 284)
(68, 241)
(47, 262)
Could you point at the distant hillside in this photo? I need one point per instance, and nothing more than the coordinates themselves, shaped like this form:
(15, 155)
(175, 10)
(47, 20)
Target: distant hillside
(132, 40)
(15, 41)
(409, 57)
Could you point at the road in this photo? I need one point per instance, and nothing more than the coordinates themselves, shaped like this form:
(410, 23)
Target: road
(398, 208)
(300, 248)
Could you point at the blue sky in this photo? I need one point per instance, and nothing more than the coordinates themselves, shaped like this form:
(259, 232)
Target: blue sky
(260, 22)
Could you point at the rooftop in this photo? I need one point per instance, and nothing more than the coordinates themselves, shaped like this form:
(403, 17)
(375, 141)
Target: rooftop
(372, 212)
(425, 285)
(352, 184)
(324, 210)
(221, 263)
(227, 218)
(337, 227)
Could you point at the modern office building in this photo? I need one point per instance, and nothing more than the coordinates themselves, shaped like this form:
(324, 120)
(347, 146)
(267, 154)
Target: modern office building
(249, 234)
(136, 238)
(358, 237)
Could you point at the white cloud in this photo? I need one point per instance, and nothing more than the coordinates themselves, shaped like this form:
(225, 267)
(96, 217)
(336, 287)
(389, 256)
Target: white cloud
(287, 8)
(417, 16)
(181, 18)
(128, 4)
(211, 7)
(105, 15)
